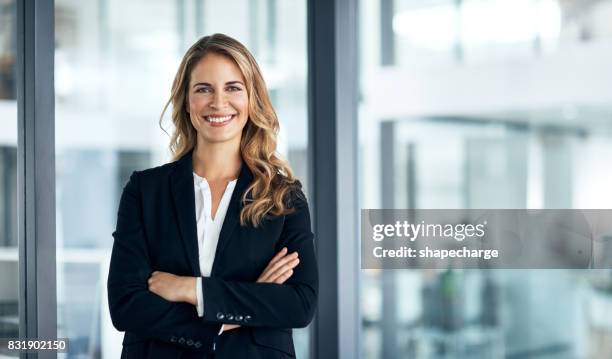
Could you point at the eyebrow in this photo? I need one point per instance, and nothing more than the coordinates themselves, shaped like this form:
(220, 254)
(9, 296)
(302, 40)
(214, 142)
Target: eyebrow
(227, 83)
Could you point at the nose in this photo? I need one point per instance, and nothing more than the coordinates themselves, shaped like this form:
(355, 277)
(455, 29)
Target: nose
(219, 100)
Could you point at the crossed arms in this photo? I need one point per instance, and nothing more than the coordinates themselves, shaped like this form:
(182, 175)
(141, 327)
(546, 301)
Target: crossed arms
(161, 305)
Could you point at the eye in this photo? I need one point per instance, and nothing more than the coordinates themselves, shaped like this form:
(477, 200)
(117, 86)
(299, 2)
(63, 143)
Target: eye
(203, 90)
(234, 88)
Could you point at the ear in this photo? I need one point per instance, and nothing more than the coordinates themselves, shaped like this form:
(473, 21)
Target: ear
(186, 104)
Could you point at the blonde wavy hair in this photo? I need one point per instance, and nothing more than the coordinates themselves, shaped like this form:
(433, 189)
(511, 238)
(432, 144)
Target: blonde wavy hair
(273, 186)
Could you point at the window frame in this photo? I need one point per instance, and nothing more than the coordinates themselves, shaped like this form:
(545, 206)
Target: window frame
(36, 171)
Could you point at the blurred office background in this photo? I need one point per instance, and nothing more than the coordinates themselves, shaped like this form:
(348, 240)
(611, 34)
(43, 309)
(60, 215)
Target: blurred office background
(486, 104)
(463, 104)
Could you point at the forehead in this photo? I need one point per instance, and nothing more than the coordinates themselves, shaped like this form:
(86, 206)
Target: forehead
(215, 67)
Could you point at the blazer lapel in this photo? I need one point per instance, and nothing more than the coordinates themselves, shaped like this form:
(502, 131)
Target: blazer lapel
(232, 216)
(183, 195)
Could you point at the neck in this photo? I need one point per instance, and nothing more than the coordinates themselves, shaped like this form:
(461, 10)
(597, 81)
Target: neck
(217, 161)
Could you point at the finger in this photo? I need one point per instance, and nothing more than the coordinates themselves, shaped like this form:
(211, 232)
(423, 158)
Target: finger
(275, 273)
(277, 261)
(284, 277)
(281, 262)
(227, 327)
(282, 270)
(272, 269)
(277, 257)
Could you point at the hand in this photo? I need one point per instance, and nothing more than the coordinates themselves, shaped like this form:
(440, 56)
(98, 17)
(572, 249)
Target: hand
(278, 271)
(173, 288)
(280, 267)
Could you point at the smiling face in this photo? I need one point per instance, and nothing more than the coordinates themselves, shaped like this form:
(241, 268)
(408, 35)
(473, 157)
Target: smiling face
(217, 99)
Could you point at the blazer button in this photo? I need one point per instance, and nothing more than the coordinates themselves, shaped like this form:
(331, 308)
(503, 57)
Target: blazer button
(181, 340)
(238, 318)
(229, 316)
(173, 340)
(197, 344)
(189, 342)
(247, 318)
(220, 316)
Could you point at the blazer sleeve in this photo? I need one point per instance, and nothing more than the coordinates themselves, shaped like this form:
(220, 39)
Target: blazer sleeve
(132, 306)
(288, 305)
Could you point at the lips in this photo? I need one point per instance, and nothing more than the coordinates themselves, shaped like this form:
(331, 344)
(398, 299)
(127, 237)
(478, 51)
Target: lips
(219, 120)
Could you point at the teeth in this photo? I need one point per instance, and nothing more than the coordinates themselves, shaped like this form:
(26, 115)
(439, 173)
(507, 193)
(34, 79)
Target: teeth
(218, 119)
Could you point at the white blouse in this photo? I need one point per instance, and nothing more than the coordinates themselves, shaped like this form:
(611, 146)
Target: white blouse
(208, 228)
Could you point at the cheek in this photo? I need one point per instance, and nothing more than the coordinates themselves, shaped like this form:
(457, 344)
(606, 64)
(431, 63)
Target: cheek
(196, 103)
(242, 104)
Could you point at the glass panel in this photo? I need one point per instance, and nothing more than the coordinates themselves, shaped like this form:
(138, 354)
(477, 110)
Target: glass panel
(487, 104)
(433, 33)
(114, 68)
(9, 269)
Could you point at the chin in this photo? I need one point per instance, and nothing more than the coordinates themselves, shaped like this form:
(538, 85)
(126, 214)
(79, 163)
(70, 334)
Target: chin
(220, 139)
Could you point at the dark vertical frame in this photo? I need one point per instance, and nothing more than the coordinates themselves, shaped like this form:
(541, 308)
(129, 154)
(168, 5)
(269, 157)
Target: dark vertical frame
(388, 323)
(332, 101)
(36, 171)
(387, 36)
(347, 147)
(388, 57)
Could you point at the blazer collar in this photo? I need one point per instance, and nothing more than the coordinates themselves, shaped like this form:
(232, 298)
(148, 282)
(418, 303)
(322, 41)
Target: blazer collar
(183, 194)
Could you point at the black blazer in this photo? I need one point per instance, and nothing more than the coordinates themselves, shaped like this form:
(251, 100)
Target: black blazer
(156, 230)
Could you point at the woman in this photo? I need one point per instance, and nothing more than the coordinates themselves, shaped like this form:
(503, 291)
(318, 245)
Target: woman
(213, 254)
